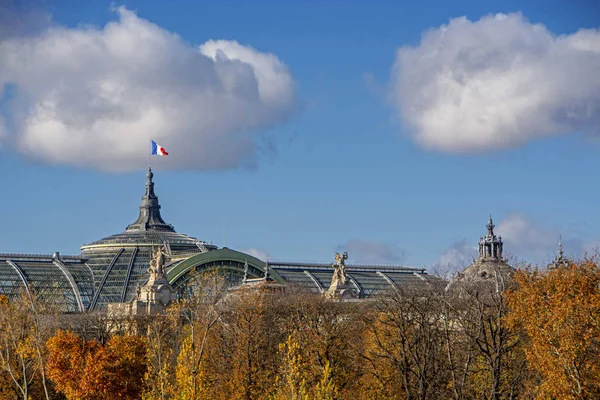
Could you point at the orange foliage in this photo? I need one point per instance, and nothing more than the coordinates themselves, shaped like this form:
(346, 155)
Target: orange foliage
(69, 355)
(87, 370)
(559, 309)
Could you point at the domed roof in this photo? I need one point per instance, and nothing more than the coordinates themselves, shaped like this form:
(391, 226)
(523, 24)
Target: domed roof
(120, 262)
(140, 237)
(489, 268)
(497, 273)
(150, 229)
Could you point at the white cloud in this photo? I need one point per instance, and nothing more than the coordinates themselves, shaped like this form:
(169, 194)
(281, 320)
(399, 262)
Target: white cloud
(372, 252)
(537, 242)
(496, 83)
(534, 241)
(521, 233)
(457, 257)
(93, 97)
(460, 254)
(258, 253)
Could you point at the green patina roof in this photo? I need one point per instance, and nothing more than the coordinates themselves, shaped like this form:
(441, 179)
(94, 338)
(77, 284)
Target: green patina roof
(178, 270)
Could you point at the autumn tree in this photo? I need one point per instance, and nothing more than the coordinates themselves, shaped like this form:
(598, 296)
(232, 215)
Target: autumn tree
(92, 325)
(293, 373)
(329, 339)
(559, 309)
(25, 324)
(460, 350)
(476, 309)
(251, 342)
(405, 351)
(69, 358)
(88, 370)
(163, 347)
(121, 367)
(199, 314)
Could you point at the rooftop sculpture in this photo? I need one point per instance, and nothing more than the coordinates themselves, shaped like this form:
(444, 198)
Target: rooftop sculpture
(339, 281)
(157, 264)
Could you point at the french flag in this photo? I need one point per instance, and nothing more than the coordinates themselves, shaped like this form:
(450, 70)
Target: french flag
(158, 150)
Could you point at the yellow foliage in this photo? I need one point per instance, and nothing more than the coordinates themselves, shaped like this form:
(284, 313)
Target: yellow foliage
(326, 389)
(559, 309)
(293, 370)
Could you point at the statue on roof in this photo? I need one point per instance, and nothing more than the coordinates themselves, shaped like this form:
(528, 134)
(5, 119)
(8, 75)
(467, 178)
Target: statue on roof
(156, 293)
(340, 267)
(339, 287)
(157, 264)
(340, 258)
(245, 278)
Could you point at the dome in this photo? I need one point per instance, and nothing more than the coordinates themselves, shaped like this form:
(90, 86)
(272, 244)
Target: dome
(495, 273)
(120, 262)
(178, 242)
(488, 269)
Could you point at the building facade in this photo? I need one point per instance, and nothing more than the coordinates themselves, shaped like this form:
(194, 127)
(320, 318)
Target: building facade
(114, 269)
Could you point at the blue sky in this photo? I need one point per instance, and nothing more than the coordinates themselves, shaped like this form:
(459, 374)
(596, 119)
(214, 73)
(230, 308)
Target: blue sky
(328, 139)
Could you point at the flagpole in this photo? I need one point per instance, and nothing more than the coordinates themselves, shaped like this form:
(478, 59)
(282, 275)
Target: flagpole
(149, 151)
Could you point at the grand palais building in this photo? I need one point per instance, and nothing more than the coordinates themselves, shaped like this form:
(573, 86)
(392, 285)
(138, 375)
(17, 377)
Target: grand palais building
(112, 269)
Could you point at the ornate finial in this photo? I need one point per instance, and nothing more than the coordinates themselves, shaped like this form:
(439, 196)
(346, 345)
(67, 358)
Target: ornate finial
(149, 175)
(266, 269)
(490, 226)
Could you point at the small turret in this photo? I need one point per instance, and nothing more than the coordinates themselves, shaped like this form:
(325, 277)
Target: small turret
(490, 246)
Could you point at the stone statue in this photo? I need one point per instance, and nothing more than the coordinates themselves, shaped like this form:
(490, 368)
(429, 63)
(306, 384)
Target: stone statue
(339, 288)
(340, 258)
(156, 293)
(339, 269)
(245, 271)
(157, 264)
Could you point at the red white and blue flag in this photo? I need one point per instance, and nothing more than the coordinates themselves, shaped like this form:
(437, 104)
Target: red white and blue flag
(158, 150)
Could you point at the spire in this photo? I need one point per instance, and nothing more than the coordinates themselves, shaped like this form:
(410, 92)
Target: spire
(149, 218)
(560, 248)
(560, 259)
